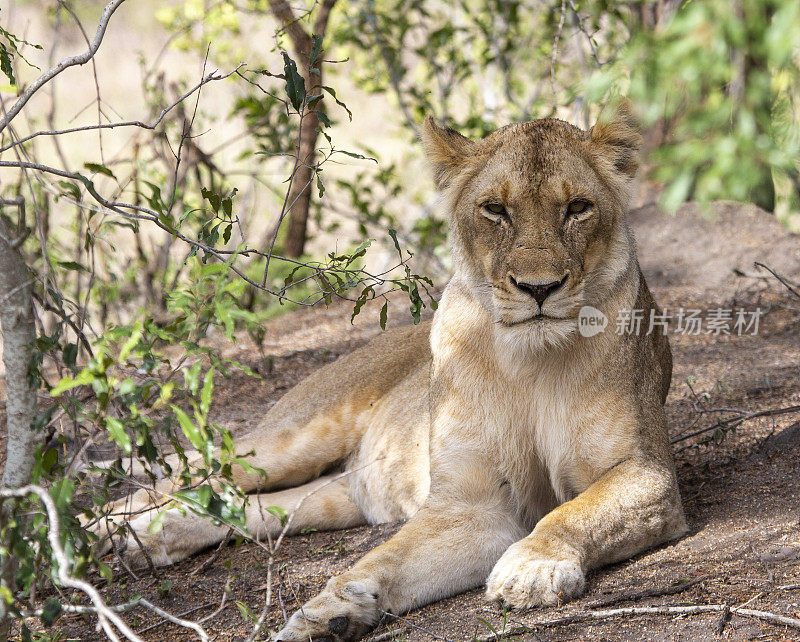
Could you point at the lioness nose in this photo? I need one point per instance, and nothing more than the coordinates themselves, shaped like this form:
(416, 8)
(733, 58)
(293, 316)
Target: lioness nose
(539, 291)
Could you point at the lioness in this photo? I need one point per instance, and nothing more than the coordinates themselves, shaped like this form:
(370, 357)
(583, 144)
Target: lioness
(517, 448)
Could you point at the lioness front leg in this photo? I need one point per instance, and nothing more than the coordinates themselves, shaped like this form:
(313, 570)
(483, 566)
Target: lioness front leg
(634, 506)
(449, 546)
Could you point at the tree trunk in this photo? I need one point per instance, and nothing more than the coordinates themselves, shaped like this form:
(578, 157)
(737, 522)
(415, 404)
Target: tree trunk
(19, 333)
(300, 195)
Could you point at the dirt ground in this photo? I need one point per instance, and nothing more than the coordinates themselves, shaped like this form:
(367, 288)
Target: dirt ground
(741, 493)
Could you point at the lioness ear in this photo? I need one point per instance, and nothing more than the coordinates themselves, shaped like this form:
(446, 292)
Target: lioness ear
(447, 151)
(618, 138)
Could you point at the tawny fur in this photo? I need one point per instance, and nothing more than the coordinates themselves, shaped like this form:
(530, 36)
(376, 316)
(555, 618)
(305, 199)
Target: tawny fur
(517, 449)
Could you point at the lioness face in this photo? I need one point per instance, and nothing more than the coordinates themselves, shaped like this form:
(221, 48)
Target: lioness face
(535, 211)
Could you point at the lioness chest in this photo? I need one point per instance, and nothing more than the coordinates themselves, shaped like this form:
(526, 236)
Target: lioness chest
(548, 426)
(545, 429)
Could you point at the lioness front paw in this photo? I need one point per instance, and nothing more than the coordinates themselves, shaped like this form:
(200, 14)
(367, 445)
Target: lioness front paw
(521, 579)
(345, 610)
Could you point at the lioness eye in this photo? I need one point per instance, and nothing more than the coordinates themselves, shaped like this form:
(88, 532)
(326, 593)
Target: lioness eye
(495, 208)
(578, 207)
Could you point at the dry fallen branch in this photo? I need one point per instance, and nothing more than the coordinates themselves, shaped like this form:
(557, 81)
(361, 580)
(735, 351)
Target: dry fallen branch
(640, 595)
(585, 616)
(127, 606)
(201, 568)
(730, 424)
(671, 610)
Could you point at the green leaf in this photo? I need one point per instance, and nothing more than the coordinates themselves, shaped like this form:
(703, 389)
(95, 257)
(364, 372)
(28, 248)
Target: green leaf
(71, 189)
(281, 513)
(246, 612)
(199, 497)
(206, 392)
(44, 463)
(116, 431)
(132, 341)
(192, 376)
(332, 92)
(157, 524)
(105, 570)
(166, 391)
(322, 117)
(72, 265)
(354, 155)
(191, 431)
(84, 377)
(61, 492)
(70, 354)
(97, 168)
(384, 315)
(295, 83)
(212, 198)
(5, 63)
(362, 299)
(393, 234)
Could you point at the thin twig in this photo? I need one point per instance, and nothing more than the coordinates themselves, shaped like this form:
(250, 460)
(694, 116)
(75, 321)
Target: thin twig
(554, 57)
(213, 558)
(589, 39)
(274, 546)
(142, 548)
(791, 287)
(505, 633)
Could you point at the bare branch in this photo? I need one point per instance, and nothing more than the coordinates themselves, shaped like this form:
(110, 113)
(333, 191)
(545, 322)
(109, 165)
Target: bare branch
(81, 59)
(128, 123)
(584, 31)
(394, 77)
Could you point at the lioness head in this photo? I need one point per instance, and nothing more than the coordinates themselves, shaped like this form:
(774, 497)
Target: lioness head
(537, 217)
